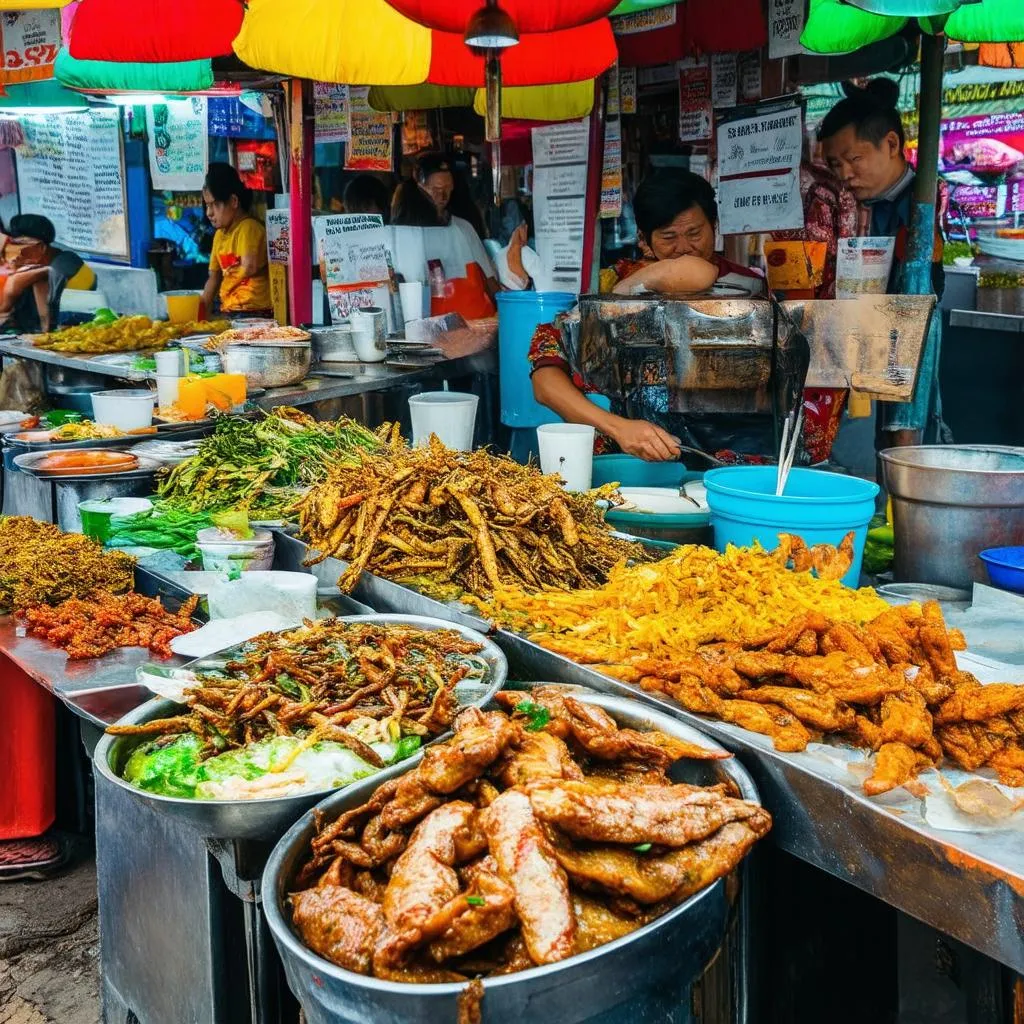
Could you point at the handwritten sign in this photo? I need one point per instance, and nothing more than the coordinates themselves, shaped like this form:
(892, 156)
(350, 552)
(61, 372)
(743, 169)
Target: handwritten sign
(355, 261)
(724, 75)
(759, 170)
(178, 144)
(750, 87)
(694, 100)
(71, 170)
(627, 90)
(785, 23)
(331, 112)
(30, 42)
(370, 146)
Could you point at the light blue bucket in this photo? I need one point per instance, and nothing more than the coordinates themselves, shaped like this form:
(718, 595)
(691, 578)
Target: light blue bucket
(519, 315)
(819, 507)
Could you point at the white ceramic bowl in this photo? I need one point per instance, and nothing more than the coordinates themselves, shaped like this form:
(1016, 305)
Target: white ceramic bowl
(128, 409)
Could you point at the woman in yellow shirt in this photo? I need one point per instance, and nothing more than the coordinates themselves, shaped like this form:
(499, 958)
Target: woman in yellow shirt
(238, 262)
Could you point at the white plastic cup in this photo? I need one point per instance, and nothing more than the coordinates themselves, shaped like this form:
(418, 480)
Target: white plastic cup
(449, 414)
(568, 450)
(166, 390)
(170, 363)
(364, 341)
(411, 294)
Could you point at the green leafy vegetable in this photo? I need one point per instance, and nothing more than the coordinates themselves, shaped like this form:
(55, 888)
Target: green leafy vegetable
(171, 769)
(406, 747)
(538, 716)
(476, 901)
(642, 848)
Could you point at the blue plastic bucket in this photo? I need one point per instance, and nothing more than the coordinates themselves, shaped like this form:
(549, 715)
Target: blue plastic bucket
(519, 315)
(819, 507)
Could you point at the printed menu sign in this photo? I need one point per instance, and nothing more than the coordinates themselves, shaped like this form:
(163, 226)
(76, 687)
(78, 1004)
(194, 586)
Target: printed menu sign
(759, 170)
(694, 100)
(785, 23)
(559, 201)
(30, 42)
(178, 144)
(724, 74)
(331, 112)
(370, 146)
(750, 76)
(355, 261)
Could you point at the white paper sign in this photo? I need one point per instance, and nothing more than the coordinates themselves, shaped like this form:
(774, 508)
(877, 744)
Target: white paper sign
(559, 201)
(785, 23)
(764, 203)
(764, 142)
(611, 103)
(355, 261)
(863, 266)
(31, 40)
(332, 112)
(178, 144)
(695, 113)
(724, 73)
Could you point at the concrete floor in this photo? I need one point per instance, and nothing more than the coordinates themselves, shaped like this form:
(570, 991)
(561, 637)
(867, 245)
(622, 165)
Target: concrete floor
(49, 950)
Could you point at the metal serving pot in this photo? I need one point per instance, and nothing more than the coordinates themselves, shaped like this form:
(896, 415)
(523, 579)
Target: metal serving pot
(648, 970)
(267, 818)
(949, 502)
(269, 364)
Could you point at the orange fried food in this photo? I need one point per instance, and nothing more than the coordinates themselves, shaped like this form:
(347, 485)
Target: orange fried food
(339, 924)
(971, 744)
(535, 756)
(1008, 764)
(787, 732)
(980, 703)
(905, 719)
(828, 562)
(895, 765)
(818, 710)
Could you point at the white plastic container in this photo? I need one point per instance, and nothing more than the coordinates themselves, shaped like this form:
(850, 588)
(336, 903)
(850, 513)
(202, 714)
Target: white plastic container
(221, 552)
(166, 390)
(568, 450)
(411, 293)
(449, 414)
(128, 409)
(291, 594)
(170, 363)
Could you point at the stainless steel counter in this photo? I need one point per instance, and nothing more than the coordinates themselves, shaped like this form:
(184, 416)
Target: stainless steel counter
(979, 321)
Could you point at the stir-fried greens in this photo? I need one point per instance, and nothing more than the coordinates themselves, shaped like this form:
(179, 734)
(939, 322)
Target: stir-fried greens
(262, 466)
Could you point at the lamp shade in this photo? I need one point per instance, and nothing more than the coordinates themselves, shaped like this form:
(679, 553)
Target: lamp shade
(835, 27)
(543, 58)
(363, 42)
(152, 31)
(529, 15)
(992, 21)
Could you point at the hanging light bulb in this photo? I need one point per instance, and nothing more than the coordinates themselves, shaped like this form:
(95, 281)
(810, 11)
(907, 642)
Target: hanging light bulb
(492, 30)
(909, 8)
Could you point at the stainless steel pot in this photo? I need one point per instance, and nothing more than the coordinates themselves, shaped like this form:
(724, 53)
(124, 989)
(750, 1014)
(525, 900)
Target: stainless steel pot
(949, 502)
(269, 364)
(266, 819)
(648, 971)
(333, 344)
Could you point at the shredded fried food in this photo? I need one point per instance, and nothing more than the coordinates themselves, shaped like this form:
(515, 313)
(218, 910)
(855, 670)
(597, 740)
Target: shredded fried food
(41, 565)
(92, 627)
(498, 852)
(450, 523)
(354, 683)
(694, 596)
(125, 334)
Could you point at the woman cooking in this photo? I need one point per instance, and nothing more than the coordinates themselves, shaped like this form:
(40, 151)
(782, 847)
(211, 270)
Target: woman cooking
(239, 277)
(676, 215)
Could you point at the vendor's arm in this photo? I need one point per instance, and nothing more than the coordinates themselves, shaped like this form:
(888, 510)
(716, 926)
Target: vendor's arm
(683, 274)
(554, 388)
(212, 290)
(18, 283)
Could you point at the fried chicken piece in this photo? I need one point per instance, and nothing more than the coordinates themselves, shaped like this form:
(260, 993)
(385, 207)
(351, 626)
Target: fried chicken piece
(690, 695)
(970, 744)
(339, 925)
(935, 640)
(526, 862)
(761, 664)
(423, 879)
(785, 639)
(597, 923)
(786, 731)
(980, 703)
(895, 765)
(922, 679)
(610, 812)
(847, 678)
(475, 917)
(853, 641)
(535, 756)
(650, 879)
(818, 710)
(1008, 764)
(905, 719)
(709, 667)
(867, 732)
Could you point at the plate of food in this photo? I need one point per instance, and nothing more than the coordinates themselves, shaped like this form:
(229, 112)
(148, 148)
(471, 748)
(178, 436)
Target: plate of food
(260, 334)
(83, 462)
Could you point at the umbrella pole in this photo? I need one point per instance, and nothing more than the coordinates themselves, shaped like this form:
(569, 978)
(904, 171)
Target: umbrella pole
(300, 251)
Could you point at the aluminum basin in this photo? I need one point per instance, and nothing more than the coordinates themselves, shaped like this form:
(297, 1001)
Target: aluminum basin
(950, 502)
(267, 819)
(649, 970)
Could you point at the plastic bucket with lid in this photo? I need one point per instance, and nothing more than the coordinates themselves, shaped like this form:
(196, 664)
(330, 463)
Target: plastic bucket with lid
(96, 513)
(819, 507)
(519, 315)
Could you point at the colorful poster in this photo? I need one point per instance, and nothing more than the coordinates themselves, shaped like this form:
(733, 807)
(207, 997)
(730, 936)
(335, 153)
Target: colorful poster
(724, 75)
(330, 112)
(695, 111)
(29, 46)
(355, 262)
(785, 23)
(611, 169)
(371, 143)
(627, 90)
(986, 145)
(278, 226)
(178, 144)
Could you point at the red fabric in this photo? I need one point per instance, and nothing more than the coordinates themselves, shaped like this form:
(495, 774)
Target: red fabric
(710, 30)
(658, 46)
(529, 15)
(548, 58)
(154, 31)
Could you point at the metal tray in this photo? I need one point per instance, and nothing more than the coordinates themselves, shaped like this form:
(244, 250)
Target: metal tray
(648, 970)
(266, 819)
(27, 462)
(164, 432)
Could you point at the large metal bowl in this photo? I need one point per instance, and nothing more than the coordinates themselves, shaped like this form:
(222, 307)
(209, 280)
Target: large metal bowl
(269, 364)
(266, 819)
(649, 970)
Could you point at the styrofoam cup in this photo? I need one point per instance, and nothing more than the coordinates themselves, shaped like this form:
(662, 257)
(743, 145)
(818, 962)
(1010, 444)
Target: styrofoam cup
(568, 450)
(166, 390)
(411, 294)
(449, 414)
(170, 363)
(365, 344)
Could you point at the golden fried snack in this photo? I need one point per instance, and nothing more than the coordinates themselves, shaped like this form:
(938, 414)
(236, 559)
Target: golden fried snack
(980, 703)
(905, 719)
(895, 765)
(818, 710)
(339, 925)
(786, 731)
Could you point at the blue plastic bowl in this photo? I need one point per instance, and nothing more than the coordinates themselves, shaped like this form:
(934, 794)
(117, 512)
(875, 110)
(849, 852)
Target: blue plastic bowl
(1005, 568)
(819, 507)
(629, 471)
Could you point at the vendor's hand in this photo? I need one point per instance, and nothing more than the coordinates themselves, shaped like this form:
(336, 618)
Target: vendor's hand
(646, 440)
(515, 252)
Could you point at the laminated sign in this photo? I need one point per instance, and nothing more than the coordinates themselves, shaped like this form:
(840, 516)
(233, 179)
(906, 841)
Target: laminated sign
(355, 261)
(31, 41)
(178, 144)
(694, 100)
(370, 137)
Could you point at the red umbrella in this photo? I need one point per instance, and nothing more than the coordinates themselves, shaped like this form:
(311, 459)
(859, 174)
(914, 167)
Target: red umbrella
(529, 15)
